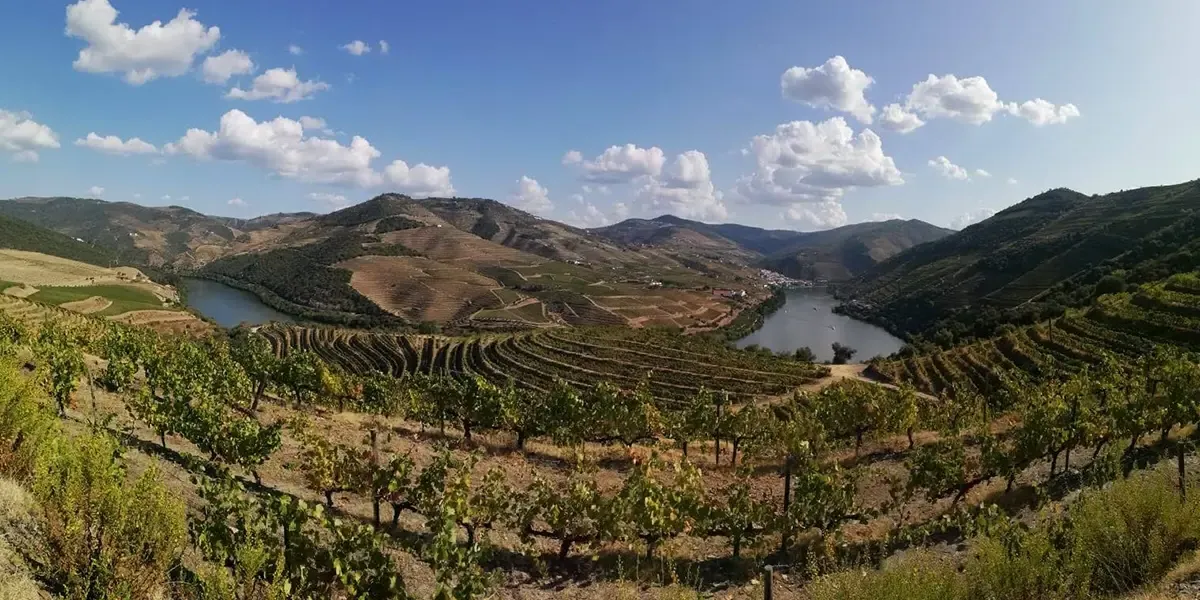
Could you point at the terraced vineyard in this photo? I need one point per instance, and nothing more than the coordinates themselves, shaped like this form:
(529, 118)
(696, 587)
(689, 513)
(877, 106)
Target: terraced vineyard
(676, 367)
(1122, 326)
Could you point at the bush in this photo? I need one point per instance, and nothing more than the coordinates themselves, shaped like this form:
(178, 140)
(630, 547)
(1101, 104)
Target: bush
(922, 576)
(1134, 533)
(102, 537)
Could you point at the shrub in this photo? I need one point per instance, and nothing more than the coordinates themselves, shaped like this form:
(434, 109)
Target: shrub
(1133, 533)
(101, 536)
(921, 576)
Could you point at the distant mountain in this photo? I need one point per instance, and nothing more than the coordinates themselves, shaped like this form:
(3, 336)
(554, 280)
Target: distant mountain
(20, 235)
(1031, 259)
(836, 254)
(137, 234)
(393, 260)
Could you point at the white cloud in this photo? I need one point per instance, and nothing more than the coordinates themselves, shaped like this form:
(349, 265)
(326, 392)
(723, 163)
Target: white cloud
(1012, 181)
(531, 196)
(962, 221)
(419, 180)
(885, 216)
(895, 118)
(685, 189)
(166, 198)
(384, 47)
(982, 173)
(112, 144)
(357, 47)
(968, 100)
(220, 68)
(947, 169)
(24, 137)
(295, 50)
(808, 167)
(96, 191)
(155, 50)
(621, 211)
(832, 85)
(236, 202)
(1041, 112)
(618, 164)
(817, 215)
(316, 124)
(185, 198)
(333, 200)
(281, 147)
(279, 85)
(587, 216)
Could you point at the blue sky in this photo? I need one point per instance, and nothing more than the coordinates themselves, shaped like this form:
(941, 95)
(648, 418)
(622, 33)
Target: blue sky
(684, 106)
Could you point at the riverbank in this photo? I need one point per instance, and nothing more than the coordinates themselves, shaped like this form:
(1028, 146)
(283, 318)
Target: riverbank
(751, 319)
(808, 319)
(302, 313)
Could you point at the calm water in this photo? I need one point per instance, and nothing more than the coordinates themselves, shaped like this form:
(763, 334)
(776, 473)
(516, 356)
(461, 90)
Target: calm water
(228, 306)
(797, 324)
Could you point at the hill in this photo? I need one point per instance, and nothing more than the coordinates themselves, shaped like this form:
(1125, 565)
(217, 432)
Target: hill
(19, 235)
(142, 235)
(1031, 260)
(394, 260)
(835, 255)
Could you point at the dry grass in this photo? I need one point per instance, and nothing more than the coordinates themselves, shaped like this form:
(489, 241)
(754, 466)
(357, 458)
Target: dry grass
(16, 581)
(420, 288)
(88, 306)
(36, 269)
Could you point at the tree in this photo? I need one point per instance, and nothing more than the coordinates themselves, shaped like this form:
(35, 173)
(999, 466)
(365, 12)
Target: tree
(525, 413)
(654, 510)
(842, 354)
(804, 354)
(735, 513)
(627, 417)
(574, 512)
(695, 421)
(300, 373)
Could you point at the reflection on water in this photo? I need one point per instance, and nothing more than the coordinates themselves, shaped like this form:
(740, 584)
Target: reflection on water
(807, 319)
(229, 306)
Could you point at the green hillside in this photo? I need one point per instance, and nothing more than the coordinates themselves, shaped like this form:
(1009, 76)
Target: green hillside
(1031, 261)
(1122, 327)
(19, 235)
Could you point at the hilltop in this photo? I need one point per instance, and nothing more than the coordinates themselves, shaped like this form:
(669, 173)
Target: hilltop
(20, 235)
(1030, 261)
(393, 260)
(835, 255)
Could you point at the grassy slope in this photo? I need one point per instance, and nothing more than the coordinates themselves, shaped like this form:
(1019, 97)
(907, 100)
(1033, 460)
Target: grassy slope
(1041, 250)
(20, 235)
(124, 298)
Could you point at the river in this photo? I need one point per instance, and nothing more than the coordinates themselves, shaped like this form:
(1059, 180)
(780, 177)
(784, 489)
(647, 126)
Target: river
(807, 319)
(229, 306)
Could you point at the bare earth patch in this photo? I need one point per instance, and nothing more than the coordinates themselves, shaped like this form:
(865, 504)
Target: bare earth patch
(88, 306)
(419, 288)
(21, 291)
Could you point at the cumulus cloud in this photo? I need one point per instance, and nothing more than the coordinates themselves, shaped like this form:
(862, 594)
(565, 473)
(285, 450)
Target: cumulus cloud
(968, 100)
(316, 124)
(685, 188)
(418, 180)
(279, 85)
(295, 50)
(806, 162)
(384, 47)
(111, 144)
(895, 118)
(947, 169)
(238, 202)
(618, 164)
(817, 215)
(970, 218)
(983, 173)
(333, 200)
(885, 216)
(23, 137)
(220, 68)
(281, 147)
(832, 85)
(155, 50)
(531, 196)
(588, 215)
(1012, 181)
(1041, 112)
(357, 47)
(96, 191)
